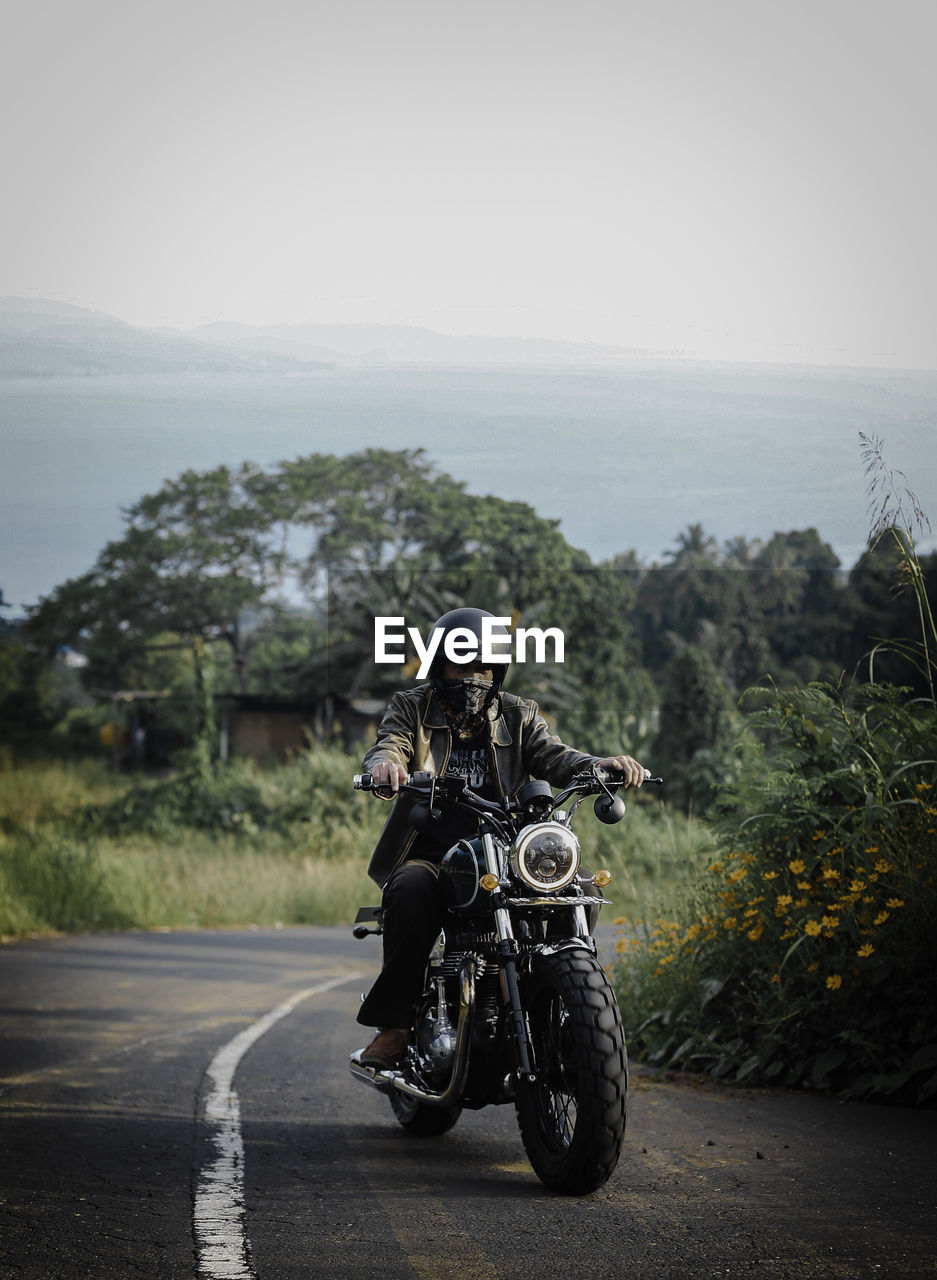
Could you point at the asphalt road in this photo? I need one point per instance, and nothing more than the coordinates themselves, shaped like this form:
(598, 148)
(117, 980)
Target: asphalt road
(115, 1160)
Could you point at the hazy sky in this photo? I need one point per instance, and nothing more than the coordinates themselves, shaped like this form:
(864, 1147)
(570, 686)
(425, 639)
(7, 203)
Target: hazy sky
(726, 178)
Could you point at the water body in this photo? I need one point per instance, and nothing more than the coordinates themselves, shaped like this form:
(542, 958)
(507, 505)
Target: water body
(624, 458)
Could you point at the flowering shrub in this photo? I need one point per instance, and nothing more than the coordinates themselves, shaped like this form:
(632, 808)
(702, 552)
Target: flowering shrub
(806, 954)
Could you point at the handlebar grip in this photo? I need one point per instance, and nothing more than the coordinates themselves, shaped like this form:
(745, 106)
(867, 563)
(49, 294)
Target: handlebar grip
(365, 781)
(611, 777)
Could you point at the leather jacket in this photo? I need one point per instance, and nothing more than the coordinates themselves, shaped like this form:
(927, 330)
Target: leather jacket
(415, 734)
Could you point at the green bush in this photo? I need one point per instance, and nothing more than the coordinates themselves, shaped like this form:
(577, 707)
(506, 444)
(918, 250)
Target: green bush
(239, 798)
(806, 956)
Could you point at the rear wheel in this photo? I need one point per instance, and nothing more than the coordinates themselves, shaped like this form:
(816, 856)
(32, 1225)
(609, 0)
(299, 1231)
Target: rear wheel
(572, 1118)
(421, 1120)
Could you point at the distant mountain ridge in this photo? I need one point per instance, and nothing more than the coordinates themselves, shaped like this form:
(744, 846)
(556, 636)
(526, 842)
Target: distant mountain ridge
(408, 344)
(40, 337)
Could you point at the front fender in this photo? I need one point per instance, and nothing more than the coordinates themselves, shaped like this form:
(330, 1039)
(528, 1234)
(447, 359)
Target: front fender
(561, 944)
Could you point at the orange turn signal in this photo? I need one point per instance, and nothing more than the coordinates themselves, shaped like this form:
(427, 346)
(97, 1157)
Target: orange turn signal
(489, 881)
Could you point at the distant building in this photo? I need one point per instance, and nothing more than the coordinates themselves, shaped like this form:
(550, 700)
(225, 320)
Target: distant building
(271, 730)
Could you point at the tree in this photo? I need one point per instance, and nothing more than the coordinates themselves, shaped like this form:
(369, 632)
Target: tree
(884, 613)
(195, 556)
(695, 745)
(211, 556)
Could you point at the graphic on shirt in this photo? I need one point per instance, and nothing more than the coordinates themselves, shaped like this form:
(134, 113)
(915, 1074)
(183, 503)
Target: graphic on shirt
(470, 761)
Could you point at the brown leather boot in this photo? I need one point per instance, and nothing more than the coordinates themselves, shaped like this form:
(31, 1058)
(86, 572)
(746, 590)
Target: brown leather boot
(386, 1050)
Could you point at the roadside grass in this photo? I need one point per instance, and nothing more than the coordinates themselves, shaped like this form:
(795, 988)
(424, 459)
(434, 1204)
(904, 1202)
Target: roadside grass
(34, 793)
(82, 848)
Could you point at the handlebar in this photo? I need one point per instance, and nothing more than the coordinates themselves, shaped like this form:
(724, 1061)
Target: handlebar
(423, 781)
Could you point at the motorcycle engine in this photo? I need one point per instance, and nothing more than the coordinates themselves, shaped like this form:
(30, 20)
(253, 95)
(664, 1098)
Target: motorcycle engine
(435, 1043)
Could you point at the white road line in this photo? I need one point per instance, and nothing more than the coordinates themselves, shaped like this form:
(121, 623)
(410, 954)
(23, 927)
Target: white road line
(219, 1197)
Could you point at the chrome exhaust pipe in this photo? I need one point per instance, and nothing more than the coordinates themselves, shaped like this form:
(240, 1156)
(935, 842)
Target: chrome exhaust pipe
(388, 1081)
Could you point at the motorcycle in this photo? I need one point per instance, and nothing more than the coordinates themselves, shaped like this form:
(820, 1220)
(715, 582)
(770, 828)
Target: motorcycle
(516, 1006)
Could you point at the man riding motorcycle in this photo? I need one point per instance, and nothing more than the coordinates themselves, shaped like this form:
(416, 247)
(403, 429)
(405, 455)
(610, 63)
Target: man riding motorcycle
(460, 722)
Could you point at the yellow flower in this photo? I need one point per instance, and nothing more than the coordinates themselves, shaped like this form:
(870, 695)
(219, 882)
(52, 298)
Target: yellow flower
(811, 928)
(770, 875)
(729, 922)
(894, 902)
(932, 812)
(812, 968)
(830, 873)
(881, 866)
(775, 977)
(803, 884)
(784, 899)
(865, 951)
(797, 866)
(621, 946)
(873, 848)
(923, 786)
(755, 934)
(867, 898)
(834, 981)
(881, 917)
(857, 886)
(739, 874)
(692, 931)
(818, 835)
(716, 867)
(829, 922)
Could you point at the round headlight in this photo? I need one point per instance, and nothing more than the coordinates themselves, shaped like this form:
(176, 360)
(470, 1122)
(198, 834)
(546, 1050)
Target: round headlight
(546, 856)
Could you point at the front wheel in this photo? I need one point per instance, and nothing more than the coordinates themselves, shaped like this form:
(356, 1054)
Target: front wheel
(572, 1117)
(420, 1119)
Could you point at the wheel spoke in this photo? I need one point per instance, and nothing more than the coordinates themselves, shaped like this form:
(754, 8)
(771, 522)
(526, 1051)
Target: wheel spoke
(556, 1053)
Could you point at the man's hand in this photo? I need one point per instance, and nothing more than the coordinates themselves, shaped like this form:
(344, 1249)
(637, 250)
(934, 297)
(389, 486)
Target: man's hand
(633, 774)
(388, 776)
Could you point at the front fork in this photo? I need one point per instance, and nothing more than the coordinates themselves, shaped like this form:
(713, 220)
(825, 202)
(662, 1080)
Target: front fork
(508, 952)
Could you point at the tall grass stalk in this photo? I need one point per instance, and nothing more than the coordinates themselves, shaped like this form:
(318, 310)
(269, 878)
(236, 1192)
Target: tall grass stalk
(896, 513)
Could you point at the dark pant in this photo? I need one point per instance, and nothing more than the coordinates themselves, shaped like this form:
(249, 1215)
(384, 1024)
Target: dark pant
(413, 917)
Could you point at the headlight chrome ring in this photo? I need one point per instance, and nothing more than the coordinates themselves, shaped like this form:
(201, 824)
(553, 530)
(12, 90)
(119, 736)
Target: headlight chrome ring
(546, 857)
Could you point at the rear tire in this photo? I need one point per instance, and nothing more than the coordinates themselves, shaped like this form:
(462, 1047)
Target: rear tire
(421, 1120)
(572, 1118)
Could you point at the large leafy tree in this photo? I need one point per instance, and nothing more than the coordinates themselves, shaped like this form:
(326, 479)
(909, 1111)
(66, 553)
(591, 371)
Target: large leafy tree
(194, 558)
(210, 556)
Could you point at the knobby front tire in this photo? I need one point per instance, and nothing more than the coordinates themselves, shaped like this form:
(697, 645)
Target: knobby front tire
(572, 1119)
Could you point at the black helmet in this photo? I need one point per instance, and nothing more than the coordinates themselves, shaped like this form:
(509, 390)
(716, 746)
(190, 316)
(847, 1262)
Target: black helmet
(473, 620)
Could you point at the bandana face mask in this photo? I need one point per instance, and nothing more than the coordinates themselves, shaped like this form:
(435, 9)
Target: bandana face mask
(465, 701)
